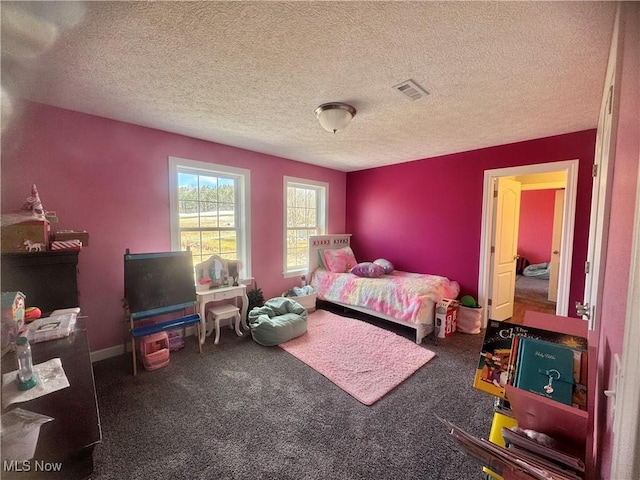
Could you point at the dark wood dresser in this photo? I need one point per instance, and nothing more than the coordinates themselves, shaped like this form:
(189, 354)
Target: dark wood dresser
(70, 438)
(50, 282)
(48, 279)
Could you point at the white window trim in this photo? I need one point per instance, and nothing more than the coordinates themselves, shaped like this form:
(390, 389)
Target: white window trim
(322, 218)
(244, 210)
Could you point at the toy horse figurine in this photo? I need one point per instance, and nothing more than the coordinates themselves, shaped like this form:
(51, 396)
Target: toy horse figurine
(33, 247)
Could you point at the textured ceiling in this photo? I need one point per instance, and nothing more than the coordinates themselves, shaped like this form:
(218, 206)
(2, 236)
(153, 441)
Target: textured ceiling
(250, 74)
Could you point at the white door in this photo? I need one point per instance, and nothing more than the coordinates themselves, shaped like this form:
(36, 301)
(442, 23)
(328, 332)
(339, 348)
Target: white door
(601, 193)
(505, 248)
(556, 243)
(589, 308)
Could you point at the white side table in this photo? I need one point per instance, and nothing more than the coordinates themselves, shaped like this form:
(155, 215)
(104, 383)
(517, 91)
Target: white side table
(217, 294)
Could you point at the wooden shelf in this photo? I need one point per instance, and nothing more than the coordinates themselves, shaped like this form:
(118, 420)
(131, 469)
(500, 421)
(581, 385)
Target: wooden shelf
(562, 422)
(568, 424)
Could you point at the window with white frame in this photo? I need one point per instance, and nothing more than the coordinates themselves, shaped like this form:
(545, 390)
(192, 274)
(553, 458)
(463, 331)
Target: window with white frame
(305, 215)
(210, 211)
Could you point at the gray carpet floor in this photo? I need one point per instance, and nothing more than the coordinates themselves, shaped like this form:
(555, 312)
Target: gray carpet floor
(244, 411)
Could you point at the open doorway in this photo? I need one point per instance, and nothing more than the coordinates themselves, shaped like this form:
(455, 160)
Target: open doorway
(486, 286)
(539, 243)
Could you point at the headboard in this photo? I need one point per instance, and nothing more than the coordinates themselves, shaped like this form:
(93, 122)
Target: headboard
(324, 242)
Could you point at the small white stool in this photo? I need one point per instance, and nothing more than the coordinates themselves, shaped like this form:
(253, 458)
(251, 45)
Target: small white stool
(223, 312)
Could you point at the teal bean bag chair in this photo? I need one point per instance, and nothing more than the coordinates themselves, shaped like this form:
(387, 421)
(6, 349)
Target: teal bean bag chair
(278, 321)
(538, 270)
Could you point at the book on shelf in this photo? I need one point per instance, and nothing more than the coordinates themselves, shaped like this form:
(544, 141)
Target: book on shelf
(545, 368)
(59, 324)
(578, 390)
(513, 357)
(498, 364)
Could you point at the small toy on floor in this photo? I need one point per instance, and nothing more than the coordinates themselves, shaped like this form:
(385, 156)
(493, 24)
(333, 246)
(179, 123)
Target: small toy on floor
(154, 350)
(176, 341)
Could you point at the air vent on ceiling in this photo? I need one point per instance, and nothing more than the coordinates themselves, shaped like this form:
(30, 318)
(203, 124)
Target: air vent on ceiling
(411, 90)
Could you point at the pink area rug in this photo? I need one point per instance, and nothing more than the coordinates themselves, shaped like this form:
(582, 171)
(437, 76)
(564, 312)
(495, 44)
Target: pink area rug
(365, 361)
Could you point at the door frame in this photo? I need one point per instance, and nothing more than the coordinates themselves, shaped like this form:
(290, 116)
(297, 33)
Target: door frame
(625, 462)
(570, 167)
(555, 236)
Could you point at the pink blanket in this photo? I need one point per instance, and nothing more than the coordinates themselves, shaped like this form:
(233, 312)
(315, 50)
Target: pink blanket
(401, 295)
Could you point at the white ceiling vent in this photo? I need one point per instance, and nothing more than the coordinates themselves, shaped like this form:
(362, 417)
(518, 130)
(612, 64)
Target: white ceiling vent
(411, 90)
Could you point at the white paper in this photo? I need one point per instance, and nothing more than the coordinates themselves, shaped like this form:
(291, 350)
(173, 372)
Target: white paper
(20, 431)
(64, 311)
(50, 377)
(49, 328)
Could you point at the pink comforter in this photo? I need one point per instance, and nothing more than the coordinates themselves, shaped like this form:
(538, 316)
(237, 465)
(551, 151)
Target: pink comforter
(401, 295)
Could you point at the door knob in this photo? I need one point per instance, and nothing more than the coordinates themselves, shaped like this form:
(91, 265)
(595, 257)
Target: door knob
(556, 252)
(583, 310)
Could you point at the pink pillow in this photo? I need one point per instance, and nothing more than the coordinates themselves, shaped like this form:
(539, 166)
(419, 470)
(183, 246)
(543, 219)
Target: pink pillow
(368, 269)
(339, 260)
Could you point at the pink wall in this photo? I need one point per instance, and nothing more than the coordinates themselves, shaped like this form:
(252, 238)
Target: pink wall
(111, 179)
(616, 276)
(425, 215)
(536, 225)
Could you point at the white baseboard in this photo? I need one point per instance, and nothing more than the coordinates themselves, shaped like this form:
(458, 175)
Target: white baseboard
(106, 353)
(116, 350)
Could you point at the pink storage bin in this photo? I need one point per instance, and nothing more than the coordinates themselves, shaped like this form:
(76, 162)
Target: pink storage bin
(176, 341)
(154, 350)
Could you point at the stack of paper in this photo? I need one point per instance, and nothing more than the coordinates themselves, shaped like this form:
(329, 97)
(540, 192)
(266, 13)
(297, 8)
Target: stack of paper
(51, 378)
(549, 455)
(517, 463)
(60, 324)
(20, 431)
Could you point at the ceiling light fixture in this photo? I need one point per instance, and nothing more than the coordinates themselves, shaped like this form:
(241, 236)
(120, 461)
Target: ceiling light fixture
(335, 116)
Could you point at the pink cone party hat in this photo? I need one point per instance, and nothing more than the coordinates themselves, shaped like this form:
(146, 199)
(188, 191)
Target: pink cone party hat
(33, 202)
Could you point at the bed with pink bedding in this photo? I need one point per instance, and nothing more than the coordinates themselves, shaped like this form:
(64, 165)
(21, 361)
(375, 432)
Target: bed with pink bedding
(400, 297)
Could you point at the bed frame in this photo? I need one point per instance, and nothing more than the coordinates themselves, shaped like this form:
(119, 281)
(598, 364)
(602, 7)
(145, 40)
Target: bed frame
(323, 242)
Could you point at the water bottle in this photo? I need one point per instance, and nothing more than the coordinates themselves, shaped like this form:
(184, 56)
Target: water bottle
(25, 364)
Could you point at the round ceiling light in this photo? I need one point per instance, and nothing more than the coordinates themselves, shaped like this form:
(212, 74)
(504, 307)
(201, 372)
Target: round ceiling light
(335, 116)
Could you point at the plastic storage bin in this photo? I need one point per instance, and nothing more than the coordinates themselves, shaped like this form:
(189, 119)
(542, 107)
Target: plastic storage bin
(307, 301)
(176, 341)
(154, 350)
